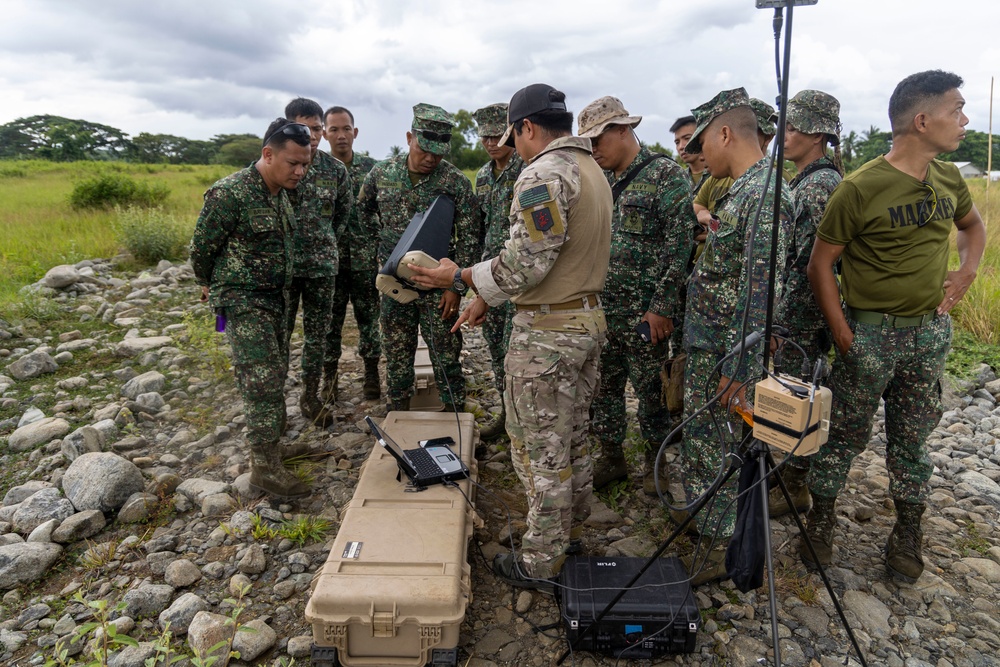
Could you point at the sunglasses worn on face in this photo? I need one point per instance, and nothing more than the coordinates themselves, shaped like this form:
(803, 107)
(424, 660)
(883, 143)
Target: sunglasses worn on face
(927, 207)
(435, 136)
(292, 130)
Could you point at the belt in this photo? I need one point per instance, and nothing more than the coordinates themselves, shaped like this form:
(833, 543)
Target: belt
(886, 320)
(583, 303)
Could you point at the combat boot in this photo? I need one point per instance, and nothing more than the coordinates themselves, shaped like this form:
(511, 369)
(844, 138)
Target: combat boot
(648, 480)
(269, 475)
(311, 405)
(330, 382)
(820, 524)
(372, 388)
(902, 551)
(795, 481)
(706, 568)
(610, 467)
(495, 427)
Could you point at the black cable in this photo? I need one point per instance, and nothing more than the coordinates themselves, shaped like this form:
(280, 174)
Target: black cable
(426, 300)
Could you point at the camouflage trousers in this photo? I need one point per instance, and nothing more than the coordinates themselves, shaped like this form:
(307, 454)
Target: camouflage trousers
(903, 366)
(496, 331)
(358, 287)
(701, 449)
(260, 361)
(317, 298)
(400, 322)
(551, 376)
(625, 356)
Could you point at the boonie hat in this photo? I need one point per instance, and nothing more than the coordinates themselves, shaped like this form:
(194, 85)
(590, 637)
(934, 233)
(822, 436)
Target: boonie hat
(815, 112)
(599, 114)
(531, 99)
(709, 111)
(491, 121)
(767, 117)
(432, 126)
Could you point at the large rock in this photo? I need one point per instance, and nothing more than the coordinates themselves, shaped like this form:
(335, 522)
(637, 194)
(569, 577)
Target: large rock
(24, 563)
(143, 384)
(252, 644)
(131, 347)
(80, 526)
(37, 433)
(138, 507)
(180, 614)
(206, 630)
(43, 506)
(146, 600)
(197, 489)
(81, 441)
(32, 365)
(21, 493)
(101, 481)
(61, 276)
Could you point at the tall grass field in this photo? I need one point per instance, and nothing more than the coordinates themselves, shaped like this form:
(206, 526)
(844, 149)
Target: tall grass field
(40, 229)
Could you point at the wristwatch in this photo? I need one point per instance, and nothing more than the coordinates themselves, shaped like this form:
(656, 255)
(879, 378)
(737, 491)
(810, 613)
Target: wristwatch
(458, 284)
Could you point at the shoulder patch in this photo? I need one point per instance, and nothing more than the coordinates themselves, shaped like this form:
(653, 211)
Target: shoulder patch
(543, 221)
(534, 196)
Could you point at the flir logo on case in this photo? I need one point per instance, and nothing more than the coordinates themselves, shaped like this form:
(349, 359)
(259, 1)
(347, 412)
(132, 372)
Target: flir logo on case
(606, 564)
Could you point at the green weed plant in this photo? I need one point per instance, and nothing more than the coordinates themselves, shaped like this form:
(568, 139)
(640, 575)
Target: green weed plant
(151, 234)
(111, 190)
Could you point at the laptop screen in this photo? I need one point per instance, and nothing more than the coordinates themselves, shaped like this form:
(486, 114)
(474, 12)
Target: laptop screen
(390, 444)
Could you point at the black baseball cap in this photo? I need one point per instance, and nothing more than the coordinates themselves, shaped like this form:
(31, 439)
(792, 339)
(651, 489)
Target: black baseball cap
(529, 100)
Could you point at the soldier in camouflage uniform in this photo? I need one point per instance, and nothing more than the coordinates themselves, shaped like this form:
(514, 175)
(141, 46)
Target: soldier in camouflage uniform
(813, 121)
(651, 241)
(393, 192)
(695, 173)
(322, 202)
(552, 268)
(889, 224)
(495, 190)
(356, 277)
(242, 255)
(725, 287)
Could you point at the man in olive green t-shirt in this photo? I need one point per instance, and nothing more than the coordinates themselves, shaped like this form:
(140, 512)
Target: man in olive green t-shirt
(888, 223)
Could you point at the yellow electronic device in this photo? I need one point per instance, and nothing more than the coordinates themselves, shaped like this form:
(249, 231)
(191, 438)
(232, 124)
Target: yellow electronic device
(787, 410)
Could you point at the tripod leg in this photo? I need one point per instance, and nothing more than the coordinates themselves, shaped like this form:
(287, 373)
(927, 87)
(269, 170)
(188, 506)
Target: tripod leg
(820, 568)
(763, 460)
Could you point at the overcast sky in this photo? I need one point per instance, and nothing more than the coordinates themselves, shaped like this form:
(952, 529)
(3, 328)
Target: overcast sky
(201, 68)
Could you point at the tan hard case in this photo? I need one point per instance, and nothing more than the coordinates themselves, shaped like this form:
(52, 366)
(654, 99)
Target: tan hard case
(425, 390)
(396, 584)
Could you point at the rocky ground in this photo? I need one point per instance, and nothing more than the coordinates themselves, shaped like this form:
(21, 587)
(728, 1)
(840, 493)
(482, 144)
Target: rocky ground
(124, 481)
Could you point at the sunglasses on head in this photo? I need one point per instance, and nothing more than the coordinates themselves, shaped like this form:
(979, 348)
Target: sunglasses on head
(430, 135)
(927, 206)
(292, 130)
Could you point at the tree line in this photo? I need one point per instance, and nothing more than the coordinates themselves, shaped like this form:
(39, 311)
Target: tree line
(61, 139)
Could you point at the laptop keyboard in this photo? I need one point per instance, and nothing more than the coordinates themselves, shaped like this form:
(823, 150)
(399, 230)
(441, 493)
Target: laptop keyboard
(424, 463)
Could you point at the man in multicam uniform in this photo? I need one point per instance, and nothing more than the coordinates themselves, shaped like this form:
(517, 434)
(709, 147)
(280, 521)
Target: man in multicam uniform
(356, 276)
(651, 238)
(730, 281)
(812, 122)
(495, 190)
(393, 192)
(242, 255)
(321, 202)
(552, 267)
(889, 224)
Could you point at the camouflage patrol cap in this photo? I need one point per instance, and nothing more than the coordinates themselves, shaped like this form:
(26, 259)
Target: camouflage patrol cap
(815, 112)
(766, 116)
(709, 111)
(602, 112)
(491, 121)
(432, 126)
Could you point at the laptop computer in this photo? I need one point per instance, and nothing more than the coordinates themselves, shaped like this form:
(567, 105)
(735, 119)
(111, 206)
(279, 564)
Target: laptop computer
(434, 463)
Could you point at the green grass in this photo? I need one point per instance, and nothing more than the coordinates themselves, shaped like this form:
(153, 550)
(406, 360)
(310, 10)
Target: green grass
(41, 230)
(979, 312)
